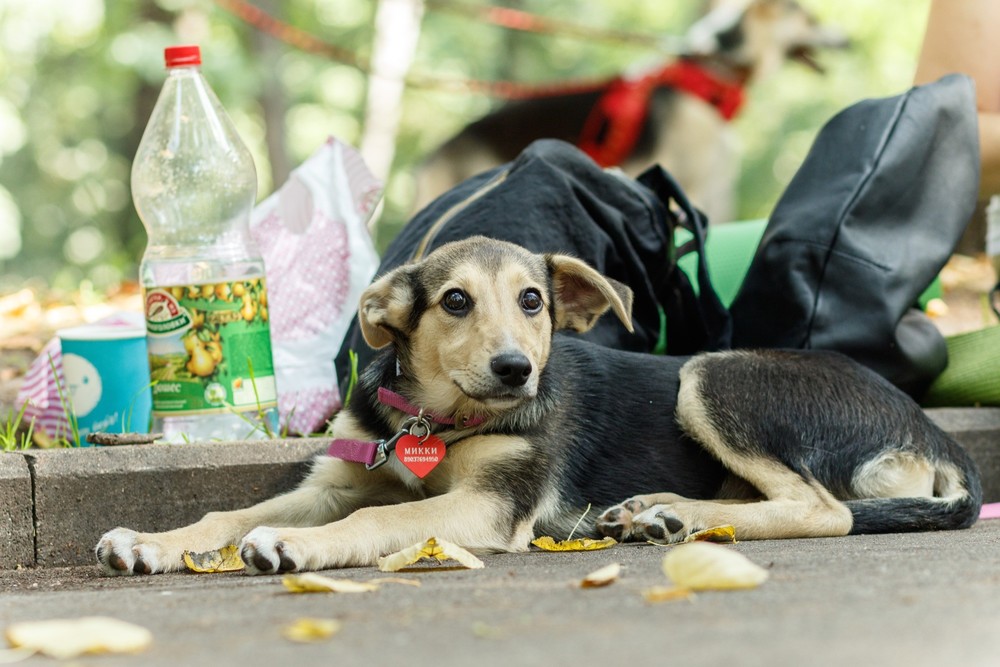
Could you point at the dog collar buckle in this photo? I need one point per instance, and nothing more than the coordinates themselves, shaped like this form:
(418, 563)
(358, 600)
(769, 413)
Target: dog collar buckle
(417, 426)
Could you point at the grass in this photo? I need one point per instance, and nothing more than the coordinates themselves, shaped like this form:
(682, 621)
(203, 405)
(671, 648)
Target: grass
(67, 406)
(12, 437)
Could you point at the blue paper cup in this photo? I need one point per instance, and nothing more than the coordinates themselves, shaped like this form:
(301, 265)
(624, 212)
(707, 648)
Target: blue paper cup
(106, 371)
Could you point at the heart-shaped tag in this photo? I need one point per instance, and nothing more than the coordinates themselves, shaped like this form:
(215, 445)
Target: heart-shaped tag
(420, 456)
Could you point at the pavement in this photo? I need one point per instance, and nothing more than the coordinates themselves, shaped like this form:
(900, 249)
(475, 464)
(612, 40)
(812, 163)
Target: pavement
(914, 599)
(911, 600)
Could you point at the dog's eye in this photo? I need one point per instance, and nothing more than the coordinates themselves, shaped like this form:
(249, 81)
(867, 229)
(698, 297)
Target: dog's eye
(455, 302)
(531, 301)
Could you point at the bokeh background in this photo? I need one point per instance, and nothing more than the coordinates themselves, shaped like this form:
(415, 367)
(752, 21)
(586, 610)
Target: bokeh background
(79, 79)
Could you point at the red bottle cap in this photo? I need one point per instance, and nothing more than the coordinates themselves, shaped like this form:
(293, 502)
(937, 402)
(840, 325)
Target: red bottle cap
(182, 56)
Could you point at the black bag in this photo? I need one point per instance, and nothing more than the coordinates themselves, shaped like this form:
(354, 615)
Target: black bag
(553, 198)
(869, 220)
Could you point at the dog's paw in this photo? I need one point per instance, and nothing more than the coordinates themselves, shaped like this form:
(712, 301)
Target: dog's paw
(124, 551)
(264, 552)
(617, 521)
(664, 524)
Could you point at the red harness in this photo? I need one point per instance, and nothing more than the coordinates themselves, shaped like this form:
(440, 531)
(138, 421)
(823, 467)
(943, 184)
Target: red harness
(613, 126)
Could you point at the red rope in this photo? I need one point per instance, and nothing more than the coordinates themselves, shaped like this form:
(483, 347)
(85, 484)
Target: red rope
(304, 41)
(517, 19)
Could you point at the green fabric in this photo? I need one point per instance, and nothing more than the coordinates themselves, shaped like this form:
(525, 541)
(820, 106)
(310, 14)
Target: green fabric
(973, 373)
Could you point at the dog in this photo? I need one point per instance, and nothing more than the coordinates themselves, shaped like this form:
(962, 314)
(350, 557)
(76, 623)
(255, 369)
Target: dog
(536, 427)
(675, 114)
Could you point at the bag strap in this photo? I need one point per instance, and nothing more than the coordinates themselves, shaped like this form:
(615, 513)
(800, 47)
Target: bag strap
(696, 319)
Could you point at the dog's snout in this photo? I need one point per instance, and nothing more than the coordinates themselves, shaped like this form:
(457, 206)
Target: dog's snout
(513, 369)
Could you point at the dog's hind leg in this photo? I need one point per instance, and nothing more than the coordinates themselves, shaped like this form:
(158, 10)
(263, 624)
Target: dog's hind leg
(794, 503)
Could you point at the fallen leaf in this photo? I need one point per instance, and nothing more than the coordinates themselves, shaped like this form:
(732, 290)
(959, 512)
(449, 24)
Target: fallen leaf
(432, 549)
(226, 559)
(395, 580)
(667, 594)
(725, 534)
(487, 631)
(707, 566)
(311, 582)
(603, 577)
(311, 629)
(69, 638)
(11, 655)
(583, 544)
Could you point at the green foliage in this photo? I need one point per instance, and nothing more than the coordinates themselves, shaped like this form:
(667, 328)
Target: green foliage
(12, 437)
(78, 81)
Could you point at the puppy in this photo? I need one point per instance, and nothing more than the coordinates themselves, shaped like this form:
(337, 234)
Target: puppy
(536, 426)
(686, 105)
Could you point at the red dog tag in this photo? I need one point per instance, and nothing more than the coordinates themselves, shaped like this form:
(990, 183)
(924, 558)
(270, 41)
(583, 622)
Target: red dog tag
(420, 456)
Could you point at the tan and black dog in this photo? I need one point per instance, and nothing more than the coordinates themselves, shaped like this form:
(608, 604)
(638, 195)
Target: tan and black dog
(537, 426)
(685, 105)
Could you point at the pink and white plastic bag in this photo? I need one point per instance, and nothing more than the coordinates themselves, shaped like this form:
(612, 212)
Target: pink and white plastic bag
(319, 257)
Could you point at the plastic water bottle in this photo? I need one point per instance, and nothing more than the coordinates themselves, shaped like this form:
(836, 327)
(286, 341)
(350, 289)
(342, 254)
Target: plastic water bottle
(194, 185)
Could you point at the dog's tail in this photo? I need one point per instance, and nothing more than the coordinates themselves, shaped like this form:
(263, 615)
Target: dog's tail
(958, 497)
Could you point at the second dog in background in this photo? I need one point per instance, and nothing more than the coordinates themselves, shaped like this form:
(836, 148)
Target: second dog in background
(675, 115)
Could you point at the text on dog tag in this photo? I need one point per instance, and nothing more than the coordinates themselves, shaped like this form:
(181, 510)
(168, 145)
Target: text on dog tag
(420, 455)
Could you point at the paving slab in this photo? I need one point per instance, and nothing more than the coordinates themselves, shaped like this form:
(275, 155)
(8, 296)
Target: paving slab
(17, 531)
(911, 600)
(82, 493)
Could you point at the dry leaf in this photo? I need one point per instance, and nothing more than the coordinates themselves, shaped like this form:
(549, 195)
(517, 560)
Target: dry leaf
(311, 582)
(707, 566)
(666, 594)
(725, 534)
(11, 655)
(432, 549)
(583, 544)
(226, 559)
(395, 580)
(69, 638)
(602, 577)
(311, 629)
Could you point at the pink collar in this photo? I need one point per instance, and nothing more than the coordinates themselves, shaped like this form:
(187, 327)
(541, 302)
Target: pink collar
(374, 454)
(394, 400)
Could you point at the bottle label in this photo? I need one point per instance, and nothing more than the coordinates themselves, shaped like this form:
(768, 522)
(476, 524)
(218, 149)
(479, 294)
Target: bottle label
(210, 348)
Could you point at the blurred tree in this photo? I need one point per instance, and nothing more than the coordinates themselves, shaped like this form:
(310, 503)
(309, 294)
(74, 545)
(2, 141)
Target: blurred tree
(78, 80)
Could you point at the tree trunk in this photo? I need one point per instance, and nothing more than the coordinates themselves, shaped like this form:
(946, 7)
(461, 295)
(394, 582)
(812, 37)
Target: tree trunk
(397, 29)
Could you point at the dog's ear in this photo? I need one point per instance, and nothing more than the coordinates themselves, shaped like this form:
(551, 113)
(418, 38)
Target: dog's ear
(385, 307)
(582, 294)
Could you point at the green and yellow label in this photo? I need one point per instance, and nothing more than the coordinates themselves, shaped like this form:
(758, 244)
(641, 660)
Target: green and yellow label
(210, 348)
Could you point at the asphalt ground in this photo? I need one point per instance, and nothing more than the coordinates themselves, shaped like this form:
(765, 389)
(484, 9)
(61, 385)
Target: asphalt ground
(909, 600)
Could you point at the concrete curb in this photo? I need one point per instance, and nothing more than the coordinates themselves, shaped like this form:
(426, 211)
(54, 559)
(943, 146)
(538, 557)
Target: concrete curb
(54, 505)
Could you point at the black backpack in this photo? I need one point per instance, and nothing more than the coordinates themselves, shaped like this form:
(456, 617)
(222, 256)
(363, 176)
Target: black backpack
(553, 198)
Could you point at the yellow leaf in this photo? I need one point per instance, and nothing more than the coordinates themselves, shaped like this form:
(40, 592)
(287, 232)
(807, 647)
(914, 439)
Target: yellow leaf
(707, 566)
(396, 580)
(311, 629)
(317, 583)
(11, 655)
(584, 544)
(69, 638)
(603, 577)
(725, 534)
(226, 559)
(432, 549)
(666, 594)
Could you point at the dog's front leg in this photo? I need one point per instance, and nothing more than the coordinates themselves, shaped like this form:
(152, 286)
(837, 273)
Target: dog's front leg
(332, 490)
(466, 516)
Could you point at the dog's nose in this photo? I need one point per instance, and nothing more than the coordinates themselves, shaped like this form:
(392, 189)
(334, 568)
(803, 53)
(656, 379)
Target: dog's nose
(513, 368)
